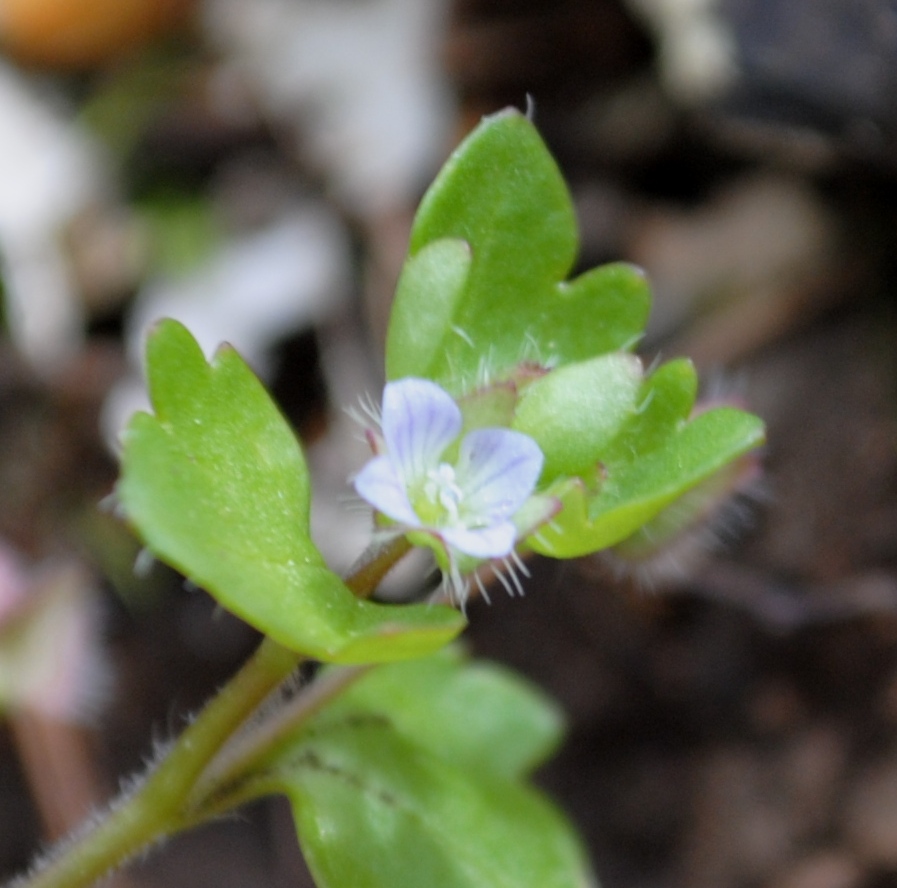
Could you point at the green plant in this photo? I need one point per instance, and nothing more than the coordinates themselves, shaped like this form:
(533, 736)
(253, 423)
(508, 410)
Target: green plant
(515, 420)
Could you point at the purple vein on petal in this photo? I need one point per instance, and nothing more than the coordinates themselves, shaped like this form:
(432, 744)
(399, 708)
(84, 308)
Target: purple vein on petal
(420, 421)
(500, 469)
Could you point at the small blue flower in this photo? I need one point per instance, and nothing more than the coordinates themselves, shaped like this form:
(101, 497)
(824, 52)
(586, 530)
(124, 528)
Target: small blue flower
(465, 494)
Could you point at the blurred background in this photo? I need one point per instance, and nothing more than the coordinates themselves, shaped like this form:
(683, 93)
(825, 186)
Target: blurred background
(252, 169)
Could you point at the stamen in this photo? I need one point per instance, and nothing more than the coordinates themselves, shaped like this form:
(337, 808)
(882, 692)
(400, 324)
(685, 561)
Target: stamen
(441, 489)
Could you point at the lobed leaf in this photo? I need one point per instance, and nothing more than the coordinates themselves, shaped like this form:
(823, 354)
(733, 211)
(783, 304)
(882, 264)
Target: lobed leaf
(216, 485)
(375, 811)
(477, 714)
(635, 491)
(504, 298)
(411, 779)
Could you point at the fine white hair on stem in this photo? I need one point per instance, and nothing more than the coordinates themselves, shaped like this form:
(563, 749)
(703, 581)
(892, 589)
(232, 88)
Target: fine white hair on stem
(143, 563)
(656, 361)
(519, 563)
(641, 408)
(484, 373)
(502, 579)
(112, 504)
(354, 504)
(512, 575)
(453, 370)
(455, 587)
(532, 350)
(367, 412)
(460, 331)
(482, 588)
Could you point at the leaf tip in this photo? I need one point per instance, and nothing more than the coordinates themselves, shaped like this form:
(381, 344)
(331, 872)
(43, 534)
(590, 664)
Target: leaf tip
(507, 111)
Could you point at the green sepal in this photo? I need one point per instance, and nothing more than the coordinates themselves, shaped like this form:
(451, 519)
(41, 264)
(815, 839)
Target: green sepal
(507, 300)
(216, 485)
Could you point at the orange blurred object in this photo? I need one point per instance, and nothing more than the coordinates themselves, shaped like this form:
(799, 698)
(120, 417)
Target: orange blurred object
(84, 33)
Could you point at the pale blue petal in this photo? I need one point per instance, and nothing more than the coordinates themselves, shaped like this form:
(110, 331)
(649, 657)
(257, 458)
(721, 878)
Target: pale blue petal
(420, 420)
(495, 541)
(497, 471)
(380, 485)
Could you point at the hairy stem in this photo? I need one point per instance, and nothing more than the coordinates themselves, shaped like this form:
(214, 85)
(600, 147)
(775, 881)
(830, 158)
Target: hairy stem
(374, 564)
(170, 797)
(221, 786)
(151, 810)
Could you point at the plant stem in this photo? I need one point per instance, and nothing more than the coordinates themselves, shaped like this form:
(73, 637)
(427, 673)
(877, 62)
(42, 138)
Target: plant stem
(157, 806)
(220, 787)
(151, 810)
(374, 564)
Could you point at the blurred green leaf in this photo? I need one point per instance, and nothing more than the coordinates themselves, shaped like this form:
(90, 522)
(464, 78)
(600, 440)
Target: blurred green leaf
(408, 780)
(504, 298)
(216, 485)
(644, 477)
(375, 811)
(477, 714)
(123, 105)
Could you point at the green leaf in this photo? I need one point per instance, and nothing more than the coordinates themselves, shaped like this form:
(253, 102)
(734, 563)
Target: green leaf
(458, 314)
(440, 271)
(702, 447)
(635, 491)
(574, 412)
(477, 714)
(216, 485)
(657, 456)
(665, 401)
(410, 778)
(373, 810)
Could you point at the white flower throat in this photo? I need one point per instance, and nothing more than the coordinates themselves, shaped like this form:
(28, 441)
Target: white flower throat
(442, 490)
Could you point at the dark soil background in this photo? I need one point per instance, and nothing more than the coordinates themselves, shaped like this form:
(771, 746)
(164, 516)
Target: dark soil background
(733, 701)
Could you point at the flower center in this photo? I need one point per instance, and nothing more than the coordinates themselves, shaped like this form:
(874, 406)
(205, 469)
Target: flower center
(440, 503)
